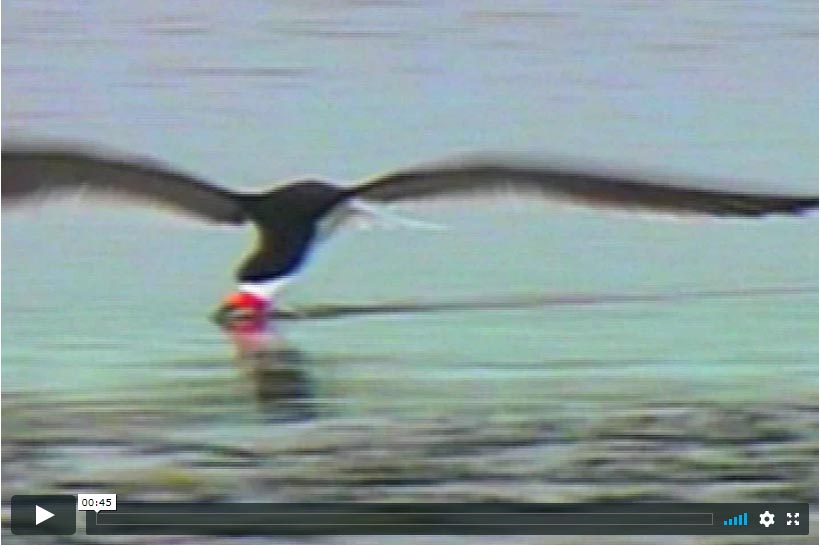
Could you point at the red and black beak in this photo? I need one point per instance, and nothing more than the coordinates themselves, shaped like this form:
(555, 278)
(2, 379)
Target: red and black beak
(242, 310)
(244, 317)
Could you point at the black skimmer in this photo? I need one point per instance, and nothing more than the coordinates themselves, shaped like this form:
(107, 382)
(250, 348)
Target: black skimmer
(288, 218)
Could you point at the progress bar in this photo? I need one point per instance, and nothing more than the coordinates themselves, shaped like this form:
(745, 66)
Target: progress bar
(445, 519)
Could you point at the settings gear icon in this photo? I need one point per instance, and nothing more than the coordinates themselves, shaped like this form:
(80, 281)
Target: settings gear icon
(766, 519)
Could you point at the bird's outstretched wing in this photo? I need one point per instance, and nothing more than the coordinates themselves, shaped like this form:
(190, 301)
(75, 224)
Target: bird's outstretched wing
(31, 173)
(595, 189)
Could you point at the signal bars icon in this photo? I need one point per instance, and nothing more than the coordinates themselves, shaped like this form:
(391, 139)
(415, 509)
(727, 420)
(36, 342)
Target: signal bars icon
(740, 519)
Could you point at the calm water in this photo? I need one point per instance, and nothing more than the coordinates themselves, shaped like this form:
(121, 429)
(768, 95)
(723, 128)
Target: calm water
(110, 364)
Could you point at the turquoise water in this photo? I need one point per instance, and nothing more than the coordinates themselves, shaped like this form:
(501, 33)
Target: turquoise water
(111, 367)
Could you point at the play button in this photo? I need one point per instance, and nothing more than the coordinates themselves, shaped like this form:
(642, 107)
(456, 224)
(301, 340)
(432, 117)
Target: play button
(43, 514)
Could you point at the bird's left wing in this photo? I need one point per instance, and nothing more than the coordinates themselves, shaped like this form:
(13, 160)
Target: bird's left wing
(32, 172)
(598, 189)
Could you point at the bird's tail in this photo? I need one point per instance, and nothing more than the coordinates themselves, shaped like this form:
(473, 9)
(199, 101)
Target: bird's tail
(389, 217)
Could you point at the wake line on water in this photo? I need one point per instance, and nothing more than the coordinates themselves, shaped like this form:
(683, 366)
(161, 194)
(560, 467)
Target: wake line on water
(522, 301)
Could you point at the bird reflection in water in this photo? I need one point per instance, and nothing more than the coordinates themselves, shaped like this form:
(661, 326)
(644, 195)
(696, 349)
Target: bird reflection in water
(276, 370)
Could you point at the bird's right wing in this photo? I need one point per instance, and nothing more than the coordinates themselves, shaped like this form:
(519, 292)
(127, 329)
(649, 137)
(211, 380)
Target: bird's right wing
(33, 173)
(597, 189)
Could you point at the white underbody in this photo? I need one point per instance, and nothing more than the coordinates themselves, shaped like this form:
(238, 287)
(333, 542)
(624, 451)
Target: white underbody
(264, 289)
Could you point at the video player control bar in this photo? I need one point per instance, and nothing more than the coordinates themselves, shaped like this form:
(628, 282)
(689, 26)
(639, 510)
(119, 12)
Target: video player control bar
(450, 519)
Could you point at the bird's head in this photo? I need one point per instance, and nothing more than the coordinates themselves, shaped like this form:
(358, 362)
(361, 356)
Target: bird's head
(243, 310)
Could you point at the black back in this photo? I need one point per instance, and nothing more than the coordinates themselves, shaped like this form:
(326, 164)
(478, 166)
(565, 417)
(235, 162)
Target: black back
(286, 219)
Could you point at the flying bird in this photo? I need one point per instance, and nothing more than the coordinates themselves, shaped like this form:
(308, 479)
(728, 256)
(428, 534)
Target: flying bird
(289, 218)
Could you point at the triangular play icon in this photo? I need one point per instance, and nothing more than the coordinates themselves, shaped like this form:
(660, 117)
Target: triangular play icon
(41, 515)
